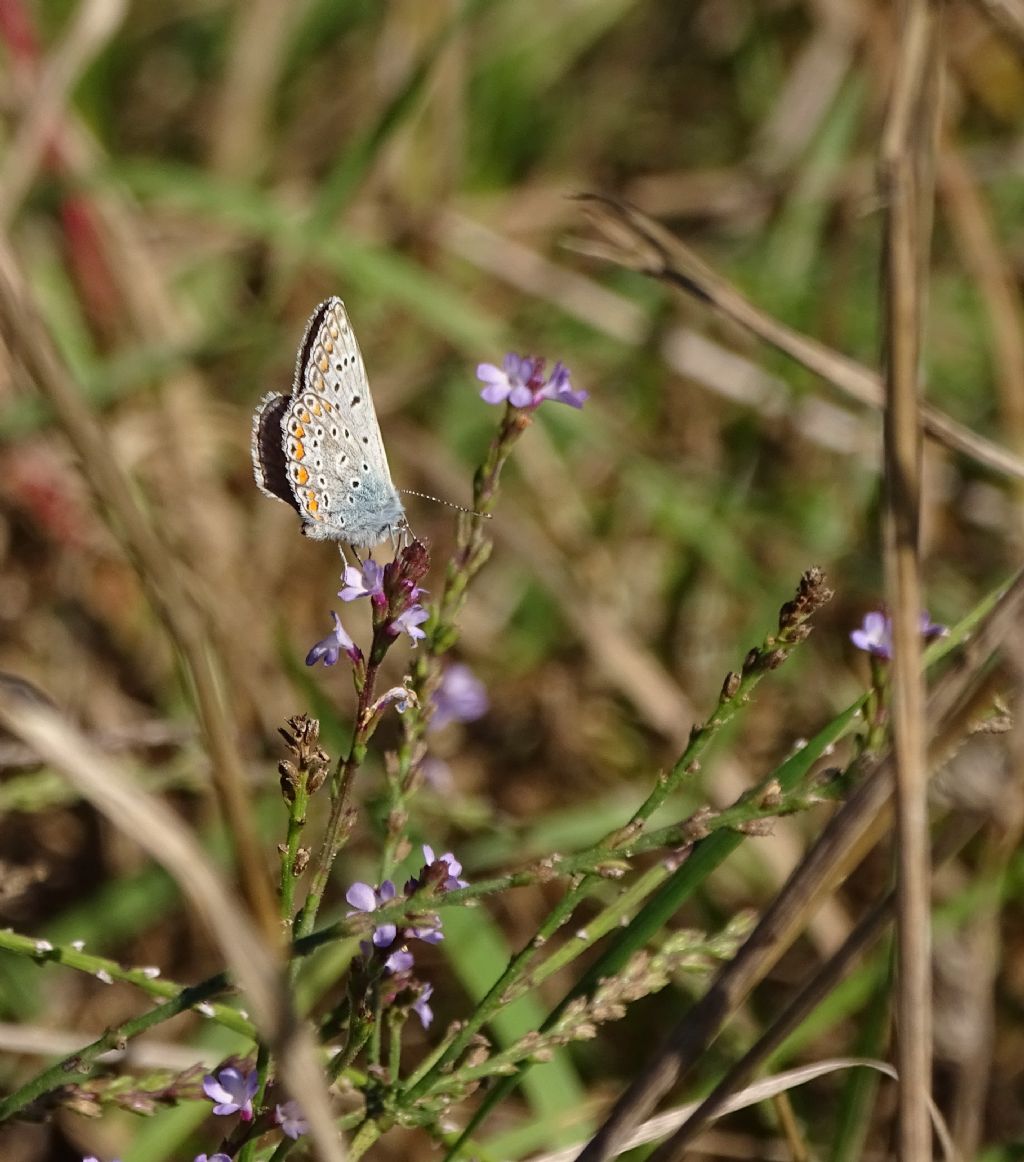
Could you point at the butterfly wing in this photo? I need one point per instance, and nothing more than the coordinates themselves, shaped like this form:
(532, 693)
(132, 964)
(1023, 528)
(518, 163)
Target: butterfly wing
(269, 465)
(333, 454)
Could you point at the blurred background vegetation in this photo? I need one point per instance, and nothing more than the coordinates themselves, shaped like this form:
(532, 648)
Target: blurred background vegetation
(183, 182)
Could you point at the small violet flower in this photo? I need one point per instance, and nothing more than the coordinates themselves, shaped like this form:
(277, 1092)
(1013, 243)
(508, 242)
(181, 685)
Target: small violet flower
(330, 648)
(875, 633)
(400, 961)
(454, 868)
(365, 899)
(932, 630)
(429, 933)
(460, 697)
(520, 380)
(218, 1157)
(421, 1008)
(410, 621)
(365, 582)
(291, 1120)
(232, 1091)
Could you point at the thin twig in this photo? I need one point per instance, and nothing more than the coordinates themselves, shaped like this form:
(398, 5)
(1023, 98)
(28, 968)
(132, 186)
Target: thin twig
(636, 241)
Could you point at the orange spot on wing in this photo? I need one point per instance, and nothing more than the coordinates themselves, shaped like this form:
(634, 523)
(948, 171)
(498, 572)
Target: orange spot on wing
(301, 475)
(311, 503)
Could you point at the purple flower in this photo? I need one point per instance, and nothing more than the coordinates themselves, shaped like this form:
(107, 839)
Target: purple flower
(400, 961)
(410, 620)
(365, 899)
(233, 1091)
(460, 697)
(875, 633)
(218, 1157)
(931, 630)
(511, 382)
(429, 933)
(421, 1008)
(454, 868)
(365, 582)
(291, 1120)
(559, 389)
(521, 381)
(330, 648)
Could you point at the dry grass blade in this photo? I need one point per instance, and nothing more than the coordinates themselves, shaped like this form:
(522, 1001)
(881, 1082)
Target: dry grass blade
(153, 825)
(838, 849)
(636, 241)
(906, 174)
(1007, 15)
(991, 265)
(763, 1090)
(28, 340)
(95, 23)
(813, 993)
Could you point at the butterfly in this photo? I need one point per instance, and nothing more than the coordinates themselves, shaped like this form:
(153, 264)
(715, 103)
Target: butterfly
(320, 448)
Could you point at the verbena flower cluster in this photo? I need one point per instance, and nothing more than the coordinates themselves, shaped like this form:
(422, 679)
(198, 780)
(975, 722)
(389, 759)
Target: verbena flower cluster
(394, 597)
(388, 947)
(521, 382)
(232, 1092)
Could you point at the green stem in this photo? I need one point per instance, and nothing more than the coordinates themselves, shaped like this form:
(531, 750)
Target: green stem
(340, 820)
(296, 822)
(83, 1063)
(472, 550)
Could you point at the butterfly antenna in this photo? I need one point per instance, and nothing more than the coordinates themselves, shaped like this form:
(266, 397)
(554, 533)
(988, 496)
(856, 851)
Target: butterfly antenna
(446, 503)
